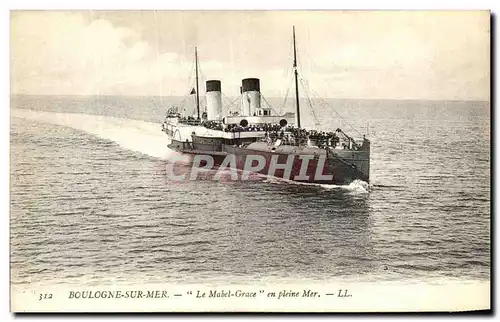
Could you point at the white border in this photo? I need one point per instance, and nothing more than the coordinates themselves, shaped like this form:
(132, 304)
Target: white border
(258, 4)
(186, 4)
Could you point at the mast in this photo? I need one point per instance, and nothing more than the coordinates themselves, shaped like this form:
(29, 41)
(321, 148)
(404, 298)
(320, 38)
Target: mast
(296, 79)
(197, 89)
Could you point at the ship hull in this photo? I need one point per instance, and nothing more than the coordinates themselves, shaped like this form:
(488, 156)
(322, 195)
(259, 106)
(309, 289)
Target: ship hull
(318, 169)
(325, 171)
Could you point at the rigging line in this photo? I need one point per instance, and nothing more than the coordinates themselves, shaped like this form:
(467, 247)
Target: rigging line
(287, 75)
(290, 77)
(269, 105)
(340, 116)
(305, 85)
(306, 89)
(201, 75)
(320, 97)
(289, 59)
(227, 107)
(299, 63)
(286, 96)
(190, 78)
(203, 79)
(301, 71)
(185, 98)
(266, 102)
(190, 82)
(232, 103)
(326, 103)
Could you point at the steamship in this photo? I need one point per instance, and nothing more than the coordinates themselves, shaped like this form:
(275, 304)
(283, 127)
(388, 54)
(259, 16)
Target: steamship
(255, 130)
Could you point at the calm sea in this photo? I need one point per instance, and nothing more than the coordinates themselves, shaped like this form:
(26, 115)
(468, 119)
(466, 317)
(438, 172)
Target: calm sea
(91, 204)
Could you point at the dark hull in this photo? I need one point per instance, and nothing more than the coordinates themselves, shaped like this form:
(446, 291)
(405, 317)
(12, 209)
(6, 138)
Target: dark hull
(341, 172)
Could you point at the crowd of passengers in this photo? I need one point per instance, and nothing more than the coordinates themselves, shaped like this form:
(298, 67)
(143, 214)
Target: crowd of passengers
(294, 136)
(189, 120)
(288, 134)
(238, 128)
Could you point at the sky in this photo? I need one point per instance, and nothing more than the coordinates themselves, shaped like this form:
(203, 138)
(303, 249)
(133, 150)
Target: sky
(438, 55)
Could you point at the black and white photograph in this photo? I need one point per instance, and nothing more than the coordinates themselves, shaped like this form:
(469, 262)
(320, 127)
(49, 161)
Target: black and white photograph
(250, 161)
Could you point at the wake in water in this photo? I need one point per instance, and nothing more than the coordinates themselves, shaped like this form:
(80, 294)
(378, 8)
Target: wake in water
(357, 186)
(139, 136)
(146, 137)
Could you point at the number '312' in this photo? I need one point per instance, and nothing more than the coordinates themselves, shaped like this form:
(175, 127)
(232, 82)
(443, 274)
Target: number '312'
(45, 296)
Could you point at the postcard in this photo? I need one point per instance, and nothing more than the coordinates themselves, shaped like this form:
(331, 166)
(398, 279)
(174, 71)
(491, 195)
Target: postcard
(250, 161)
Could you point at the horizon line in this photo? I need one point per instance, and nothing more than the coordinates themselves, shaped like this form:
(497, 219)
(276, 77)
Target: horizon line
(273, 97)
